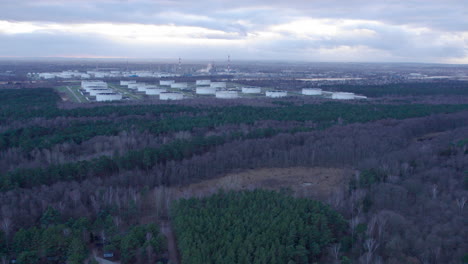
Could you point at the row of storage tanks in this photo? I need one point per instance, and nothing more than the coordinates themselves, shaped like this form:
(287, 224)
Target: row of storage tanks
(207, 87)
(100, 90)
(151, 89)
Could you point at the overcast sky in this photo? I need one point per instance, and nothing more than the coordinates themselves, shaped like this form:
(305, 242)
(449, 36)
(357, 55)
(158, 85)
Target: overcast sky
(306, 30)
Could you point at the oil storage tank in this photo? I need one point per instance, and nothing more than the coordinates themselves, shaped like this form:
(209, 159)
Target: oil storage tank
(101, 97)
(312, 91)
(95, 91)
(342, 96)
(125, 83)
(227, 94)
(205, 90)
(179, 85)
(166, 82)
(171, 96)
(251, 90)
(276, 94)
(202, 82)
(221, 85)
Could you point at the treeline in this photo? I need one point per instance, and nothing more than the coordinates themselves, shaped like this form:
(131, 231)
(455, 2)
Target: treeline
(143, 159)
(56, 240)
(444, 88)
(255, 227)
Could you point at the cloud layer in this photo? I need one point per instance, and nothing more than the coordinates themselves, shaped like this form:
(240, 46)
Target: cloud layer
(312, 30)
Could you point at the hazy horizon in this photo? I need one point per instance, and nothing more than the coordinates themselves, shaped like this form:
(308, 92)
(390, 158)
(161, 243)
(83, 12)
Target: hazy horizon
(321, 31)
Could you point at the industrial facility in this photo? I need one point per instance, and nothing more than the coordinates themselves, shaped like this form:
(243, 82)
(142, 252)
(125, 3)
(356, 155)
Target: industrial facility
(173, 90)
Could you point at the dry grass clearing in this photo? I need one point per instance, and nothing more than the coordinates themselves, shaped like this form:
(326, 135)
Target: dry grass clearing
(318, 183)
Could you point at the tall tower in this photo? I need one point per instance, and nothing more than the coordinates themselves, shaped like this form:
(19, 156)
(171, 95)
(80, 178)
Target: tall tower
(180, 65)
(229, 63)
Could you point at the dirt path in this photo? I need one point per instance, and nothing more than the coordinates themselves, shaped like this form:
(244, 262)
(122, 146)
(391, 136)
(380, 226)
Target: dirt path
(77, 98)
(101, 260)
(166, 229)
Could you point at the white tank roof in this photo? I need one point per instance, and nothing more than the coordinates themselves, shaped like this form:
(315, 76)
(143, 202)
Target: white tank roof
(343, 96)
(312, 91)
(166, 82)
(170, 96)
(100, 97)
(205, 90)
(276, 94)
(227, 94)
(251, 90)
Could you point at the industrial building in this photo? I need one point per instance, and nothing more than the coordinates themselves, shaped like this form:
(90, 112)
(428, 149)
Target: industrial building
(205, 90)
(343, 96)
(225, 94)
(251, 90)
(311, 91)
(276, 94)
(171, 96)
(166, 82)
(203, 82)
(101, 97)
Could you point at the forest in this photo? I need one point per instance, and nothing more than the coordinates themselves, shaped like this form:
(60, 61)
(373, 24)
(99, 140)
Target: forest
(103, 178)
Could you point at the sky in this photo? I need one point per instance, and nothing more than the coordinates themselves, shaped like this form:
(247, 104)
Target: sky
(434, 31)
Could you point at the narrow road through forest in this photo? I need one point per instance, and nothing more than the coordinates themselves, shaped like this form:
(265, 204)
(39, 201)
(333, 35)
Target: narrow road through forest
(166, 230)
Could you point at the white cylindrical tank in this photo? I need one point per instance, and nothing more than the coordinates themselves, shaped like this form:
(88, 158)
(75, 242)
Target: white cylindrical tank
(155, 91)
(360, 97)
(124, 83)
(221, 85)
(179, 85)
(170, 96)
(100, 97)
(166, 82)
(311, 91)
(95, 91)
(91, 87)
(205, 90)
(342, 96)
(227, 94)
(203, 82)
(276, 94)
(251, 90)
